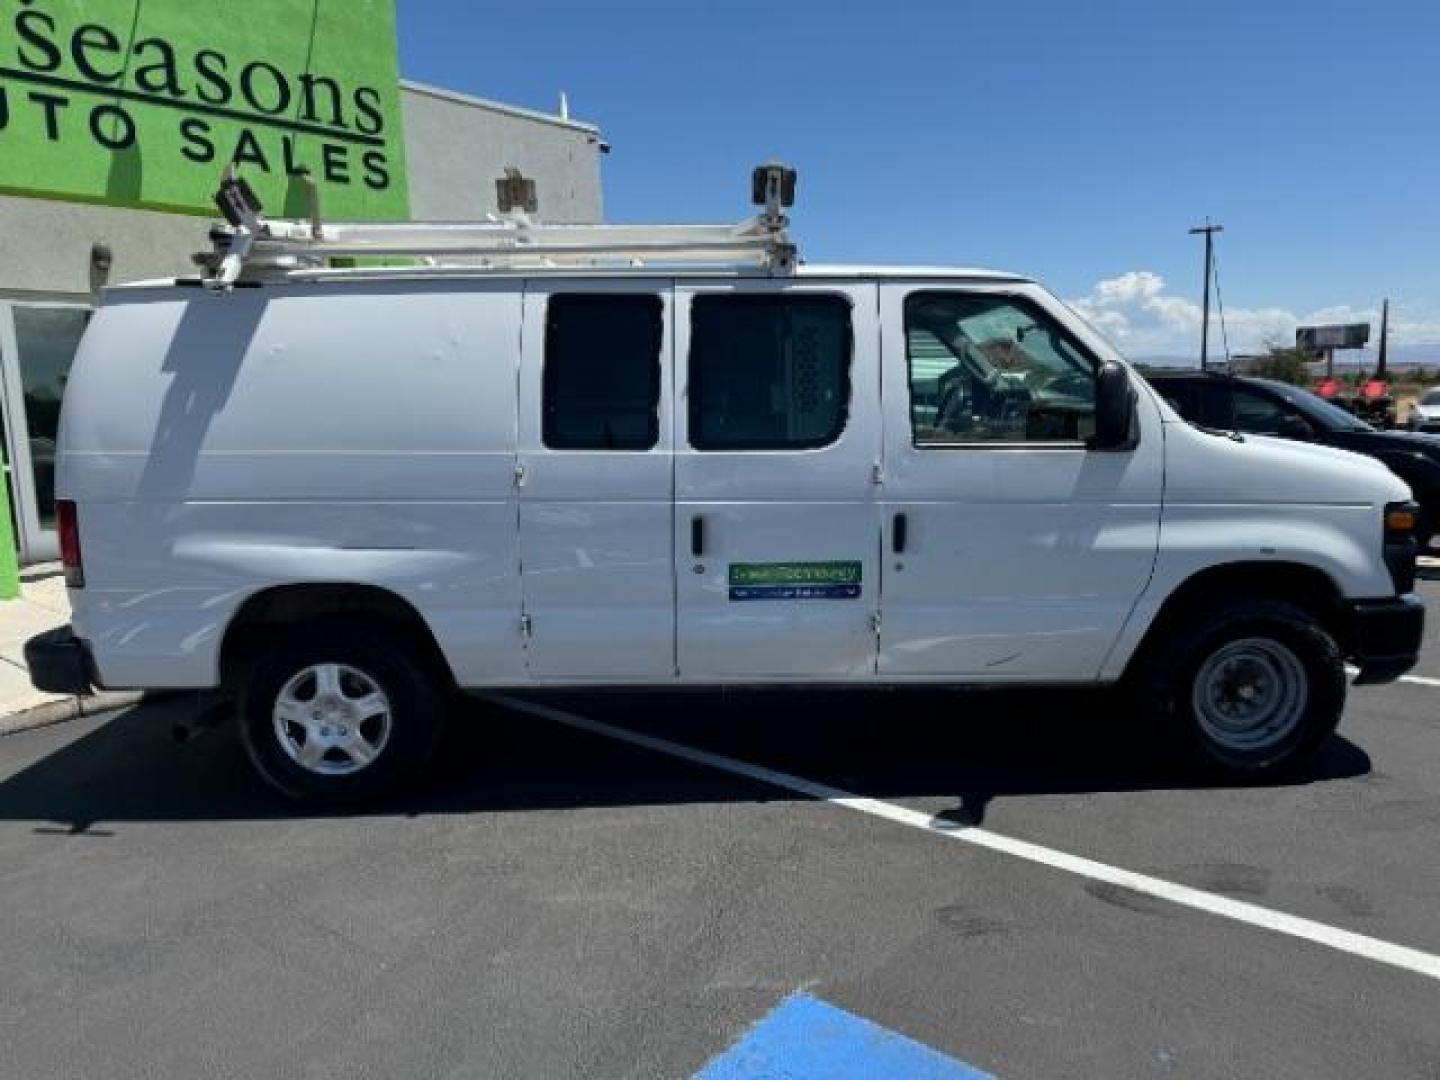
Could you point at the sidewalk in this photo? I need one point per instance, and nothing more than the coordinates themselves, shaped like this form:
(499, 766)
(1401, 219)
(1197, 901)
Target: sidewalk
(42, 606)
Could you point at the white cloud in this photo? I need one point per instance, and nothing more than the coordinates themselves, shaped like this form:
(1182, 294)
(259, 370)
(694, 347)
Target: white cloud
(1136, 311)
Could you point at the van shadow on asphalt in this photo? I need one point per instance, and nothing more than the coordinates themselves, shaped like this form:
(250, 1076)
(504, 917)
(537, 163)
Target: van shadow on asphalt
(965, 747)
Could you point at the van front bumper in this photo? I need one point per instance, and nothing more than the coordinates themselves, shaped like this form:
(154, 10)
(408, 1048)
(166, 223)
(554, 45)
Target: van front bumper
(59, 662)
(1385, 637)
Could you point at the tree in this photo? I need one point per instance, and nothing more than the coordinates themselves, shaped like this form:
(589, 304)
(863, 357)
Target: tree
(1285, 363)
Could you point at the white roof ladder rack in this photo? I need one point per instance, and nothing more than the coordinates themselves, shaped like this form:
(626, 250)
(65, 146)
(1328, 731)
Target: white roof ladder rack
(253, 245)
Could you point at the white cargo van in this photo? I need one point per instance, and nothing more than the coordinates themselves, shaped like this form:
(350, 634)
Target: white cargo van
(672, 457)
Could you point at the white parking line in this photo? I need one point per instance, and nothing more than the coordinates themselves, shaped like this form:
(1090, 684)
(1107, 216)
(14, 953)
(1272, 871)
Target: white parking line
(1384, 952)
(1414, 680)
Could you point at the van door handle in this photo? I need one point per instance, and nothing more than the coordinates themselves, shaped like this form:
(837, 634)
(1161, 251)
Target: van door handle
(697, 535)
(899, 533)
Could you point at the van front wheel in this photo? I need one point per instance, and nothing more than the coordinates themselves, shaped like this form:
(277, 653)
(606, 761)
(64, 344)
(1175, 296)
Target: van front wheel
(333, 712)
(1248, 689)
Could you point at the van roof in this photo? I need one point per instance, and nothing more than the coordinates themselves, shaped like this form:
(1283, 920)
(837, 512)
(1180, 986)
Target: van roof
(968, 273)
(816, 271)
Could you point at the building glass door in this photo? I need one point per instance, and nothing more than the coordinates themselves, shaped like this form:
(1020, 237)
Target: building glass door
(37, 347)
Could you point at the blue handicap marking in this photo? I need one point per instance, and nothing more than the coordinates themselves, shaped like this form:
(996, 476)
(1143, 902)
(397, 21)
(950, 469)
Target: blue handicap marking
(803, 1038)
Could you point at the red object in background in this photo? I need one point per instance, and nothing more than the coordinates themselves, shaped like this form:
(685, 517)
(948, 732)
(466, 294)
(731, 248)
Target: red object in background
(1328, 388)
(1375, 389)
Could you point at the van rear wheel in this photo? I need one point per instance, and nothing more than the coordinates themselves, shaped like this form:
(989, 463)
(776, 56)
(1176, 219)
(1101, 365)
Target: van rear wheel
(337, 712)
(1247, 689)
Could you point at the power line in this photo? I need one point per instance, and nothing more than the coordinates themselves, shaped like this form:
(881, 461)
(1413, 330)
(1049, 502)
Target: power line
(1220, 306)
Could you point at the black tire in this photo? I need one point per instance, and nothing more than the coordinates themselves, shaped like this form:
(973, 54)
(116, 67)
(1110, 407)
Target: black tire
(1267, 643)
(363, 654)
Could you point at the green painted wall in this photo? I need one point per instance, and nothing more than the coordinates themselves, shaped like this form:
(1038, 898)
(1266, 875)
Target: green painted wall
(142, 102)
(9, 557)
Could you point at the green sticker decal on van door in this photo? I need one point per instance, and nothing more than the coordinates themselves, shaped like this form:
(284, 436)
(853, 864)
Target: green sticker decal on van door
(795, 581)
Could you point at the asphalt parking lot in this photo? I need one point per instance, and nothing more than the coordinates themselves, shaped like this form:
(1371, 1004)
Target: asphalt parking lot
(563, 902)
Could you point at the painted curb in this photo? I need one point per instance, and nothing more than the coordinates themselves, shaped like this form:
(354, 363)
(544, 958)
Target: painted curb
(58, 712)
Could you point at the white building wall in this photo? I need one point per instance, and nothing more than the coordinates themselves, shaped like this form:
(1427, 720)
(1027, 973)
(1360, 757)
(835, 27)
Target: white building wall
(45, 246)
(458, 145)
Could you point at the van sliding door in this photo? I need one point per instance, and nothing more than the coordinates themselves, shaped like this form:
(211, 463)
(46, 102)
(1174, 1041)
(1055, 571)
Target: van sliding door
(777, 439)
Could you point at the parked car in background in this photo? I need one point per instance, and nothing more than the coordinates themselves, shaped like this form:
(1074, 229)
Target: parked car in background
(1267, 407)
(1425, 413)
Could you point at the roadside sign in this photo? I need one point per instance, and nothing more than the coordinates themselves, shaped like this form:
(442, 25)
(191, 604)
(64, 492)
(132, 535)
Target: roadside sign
(1338, 336)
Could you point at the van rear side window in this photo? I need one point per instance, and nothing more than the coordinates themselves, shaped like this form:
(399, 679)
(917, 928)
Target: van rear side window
(602, 372)
(769, 372)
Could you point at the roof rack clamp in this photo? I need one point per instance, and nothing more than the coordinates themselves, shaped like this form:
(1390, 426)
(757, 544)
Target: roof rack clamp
(772, 186)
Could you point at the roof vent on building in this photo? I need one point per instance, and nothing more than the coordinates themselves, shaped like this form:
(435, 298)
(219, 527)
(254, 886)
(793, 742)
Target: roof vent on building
(515, 192)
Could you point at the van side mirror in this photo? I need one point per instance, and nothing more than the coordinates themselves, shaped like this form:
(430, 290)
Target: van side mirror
(1114, 409)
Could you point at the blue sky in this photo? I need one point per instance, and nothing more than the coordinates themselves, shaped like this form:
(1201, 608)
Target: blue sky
(1073, 141)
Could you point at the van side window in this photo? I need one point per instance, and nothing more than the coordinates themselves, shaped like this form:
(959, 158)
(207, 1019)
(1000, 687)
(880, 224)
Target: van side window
(769, 372)
(992, 369)
(601, 385)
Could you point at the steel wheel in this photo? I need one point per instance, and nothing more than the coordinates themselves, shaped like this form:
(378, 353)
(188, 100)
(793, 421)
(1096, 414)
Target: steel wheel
(332, 719)
(1250, 695)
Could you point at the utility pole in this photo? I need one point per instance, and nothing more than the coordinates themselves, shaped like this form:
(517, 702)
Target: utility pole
(1209, 230)
(1384, 340)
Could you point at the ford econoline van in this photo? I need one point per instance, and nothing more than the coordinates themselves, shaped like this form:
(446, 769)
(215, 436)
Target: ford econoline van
(582, 457)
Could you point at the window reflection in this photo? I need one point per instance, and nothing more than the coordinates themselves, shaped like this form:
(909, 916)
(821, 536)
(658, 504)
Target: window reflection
(46, 339)
(987, 368)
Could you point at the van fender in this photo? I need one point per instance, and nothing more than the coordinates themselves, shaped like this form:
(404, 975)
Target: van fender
(1313, 555)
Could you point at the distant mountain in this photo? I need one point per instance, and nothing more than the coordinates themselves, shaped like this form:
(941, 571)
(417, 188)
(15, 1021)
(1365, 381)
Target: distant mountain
(1401, 357)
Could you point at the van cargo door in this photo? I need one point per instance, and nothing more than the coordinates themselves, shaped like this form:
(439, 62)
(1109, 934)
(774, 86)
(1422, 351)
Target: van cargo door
(595, 482)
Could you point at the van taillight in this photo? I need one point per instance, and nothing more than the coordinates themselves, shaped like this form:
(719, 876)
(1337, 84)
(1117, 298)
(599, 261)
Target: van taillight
(68, 526)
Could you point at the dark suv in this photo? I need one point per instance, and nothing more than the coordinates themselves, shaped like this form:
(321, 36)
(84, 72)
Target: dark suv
(1265, 407)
